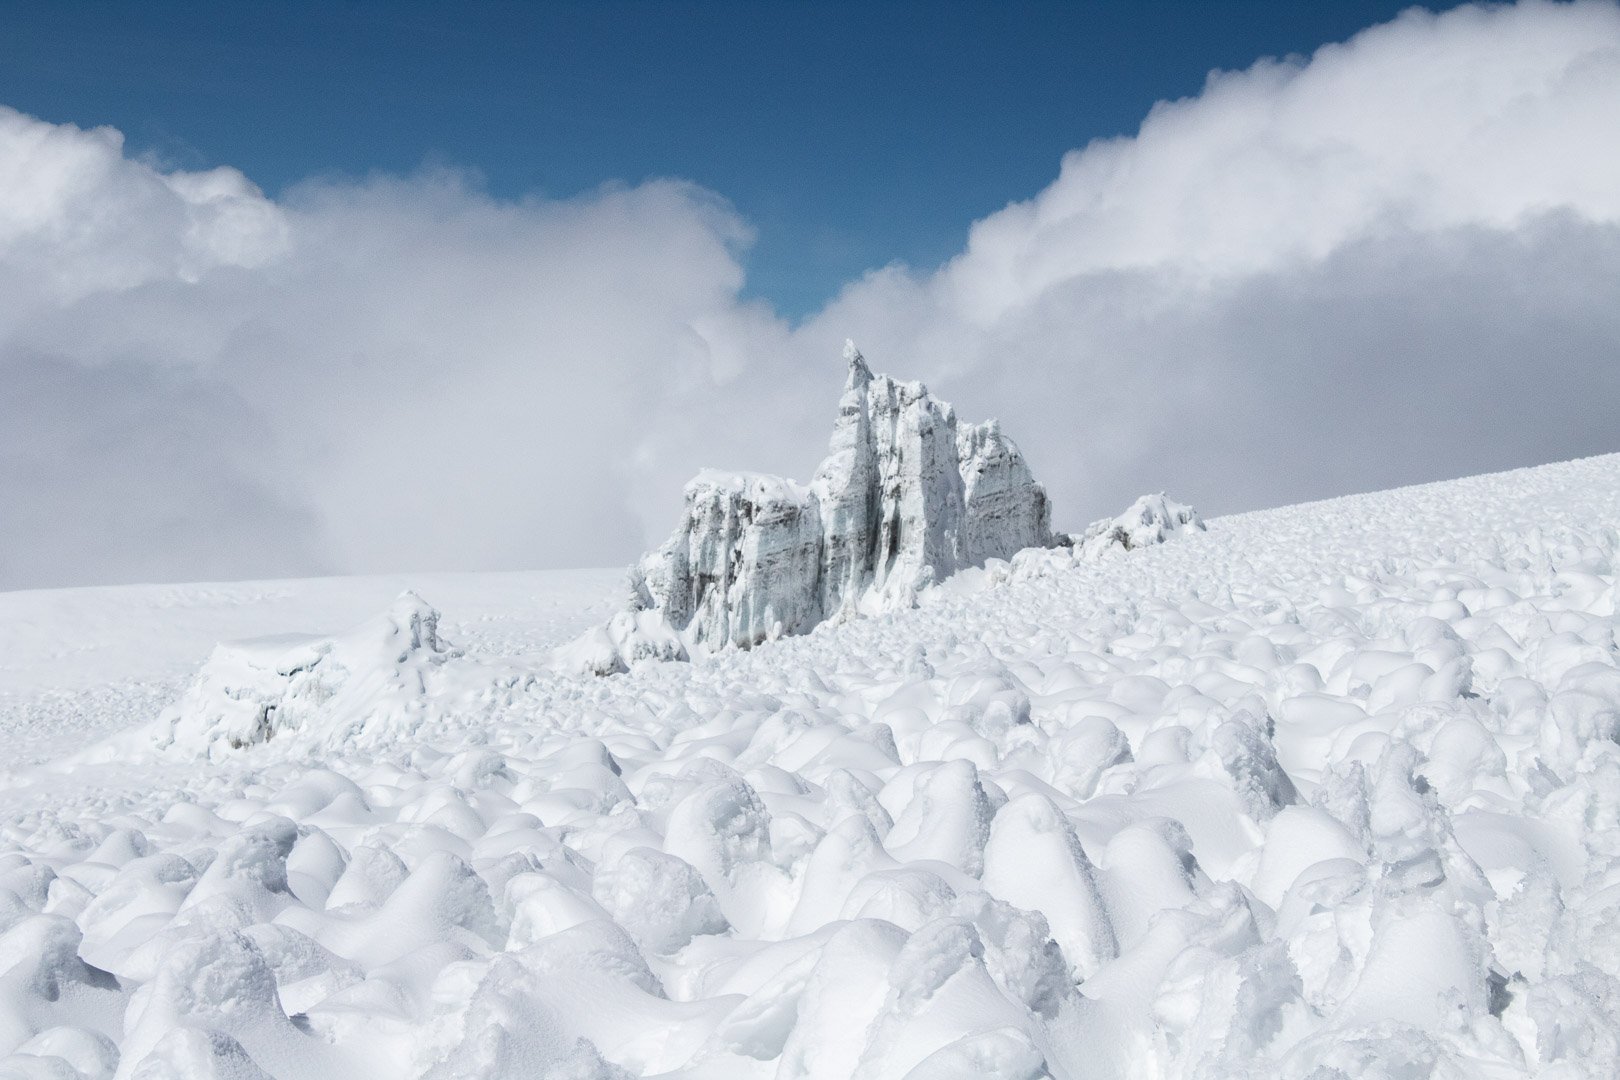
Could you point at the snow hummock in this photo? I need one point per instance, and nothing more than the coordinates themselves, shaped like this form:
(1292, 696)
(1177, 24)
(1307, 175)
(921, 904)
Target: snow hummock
(1149, 521)
(1326, 791)
(1152, 519)
(255, 690)
(905, 497)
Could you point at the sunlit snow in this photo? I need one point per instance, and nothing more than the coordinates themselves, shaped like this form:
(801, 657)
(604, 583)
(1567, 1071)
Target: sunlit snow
(1334, 787)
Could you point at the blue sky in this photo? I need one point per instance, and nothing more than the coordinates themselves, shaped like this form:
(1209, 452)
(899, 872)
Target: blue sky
(848, 135)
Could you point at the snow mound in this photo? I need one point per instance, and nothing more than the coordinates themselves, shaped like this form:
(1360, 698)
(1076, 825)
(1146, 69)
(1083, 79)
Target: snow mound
(1148, 522)
(322, 688)
(905, 497)
(1152, 519)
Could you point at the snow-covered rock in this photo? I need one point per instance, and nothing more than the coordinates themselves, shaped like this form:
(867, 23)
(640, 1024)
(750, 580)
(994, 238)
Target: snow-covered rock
(894, 493)
(259, 689)
(904, 498)
(1152, 519)
(742, 566)
(1148, 522)
(1006, 510)
(616, 645)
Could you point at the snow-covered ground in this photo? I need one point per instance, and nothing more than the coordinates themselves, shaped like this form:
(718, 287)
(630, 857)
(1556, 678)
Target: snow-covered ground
(84, 662)
(1327, 791)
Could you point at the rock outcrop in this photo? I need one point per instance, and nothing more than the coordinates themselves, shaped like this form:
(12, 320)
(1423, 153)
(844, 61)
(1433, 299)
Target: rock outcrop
(906, 496)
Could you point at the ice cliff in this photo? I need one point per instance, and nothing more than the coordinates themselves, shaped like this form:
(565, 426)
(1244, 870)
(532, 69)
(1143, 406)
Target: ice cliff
(906, 496)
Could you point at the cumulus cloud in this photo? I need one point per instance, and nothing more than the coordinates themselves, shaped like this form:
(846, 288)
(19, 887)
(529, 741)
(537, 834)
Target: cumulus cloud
(1395, 260)
(1476, 117)
(389, 373)
(80, 218)
(1390, 262)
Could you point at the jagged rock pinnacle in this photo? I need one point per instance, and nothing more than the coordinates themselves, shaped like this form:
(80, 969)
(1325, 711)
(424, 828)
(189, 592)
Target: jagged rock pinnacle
(904, 498)
(859, 374)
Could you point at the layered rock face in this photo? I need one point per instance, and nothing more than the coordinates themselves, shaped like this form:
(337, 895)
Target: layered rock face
(905, 497)
(891, 494)
(1005, 506)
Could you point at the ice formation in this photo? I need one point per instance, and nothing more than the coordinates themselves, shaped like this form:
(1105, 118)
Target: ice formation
(1149, 521)
(905, 497)
(1324, 792)
(1152, 519)
(255, 690)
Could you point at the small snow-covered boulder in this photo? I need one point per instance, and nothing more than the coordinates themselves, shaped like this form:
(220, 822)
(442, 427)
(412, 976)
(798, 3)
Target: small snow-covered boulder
(1152, 519)
(660, 899)
(947, 819)
(252, 691)
(75, 1053)
(1034, 860)
(195, 1054)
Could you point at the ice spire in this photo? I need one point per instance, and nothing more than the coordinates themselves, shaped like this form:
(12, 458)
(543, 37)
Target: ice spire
(859, 374)
(904, 497)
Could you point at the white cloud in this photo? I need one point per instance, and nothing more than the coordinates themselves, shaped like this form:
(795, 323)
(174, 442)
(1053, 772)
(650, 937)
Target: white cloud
(1475, 117)
(1394, 261)
(80, 218)
(1390, 262)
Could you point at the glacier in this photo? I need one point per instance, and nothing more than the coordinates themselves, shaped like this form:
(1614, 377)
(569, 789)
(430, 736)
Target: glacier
(1326, 791)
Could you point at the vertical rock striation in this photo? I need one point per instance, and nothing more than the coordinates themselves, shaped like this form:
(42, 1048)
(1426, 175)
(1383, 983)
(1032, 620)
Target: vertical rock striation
(905, 497)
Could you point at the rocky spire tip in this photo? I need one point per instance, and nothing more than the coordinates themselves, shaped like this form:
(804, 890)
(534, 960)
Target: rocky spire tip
(859, 373)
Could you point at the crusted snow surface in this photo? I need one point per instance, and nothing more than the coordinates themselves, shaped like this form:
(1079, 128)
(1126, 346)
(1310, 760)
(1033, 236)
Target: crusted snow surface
(906, 497)
(1331, 791)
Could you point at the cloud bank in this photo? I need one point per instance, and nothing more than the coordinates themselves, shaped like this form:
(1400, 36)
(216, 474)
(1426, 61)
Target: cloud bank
(1396, 260)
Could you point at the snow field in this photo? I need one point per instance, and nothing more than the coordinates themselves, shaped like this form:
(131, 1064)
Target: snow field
(86, 662)
(1329, 791)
